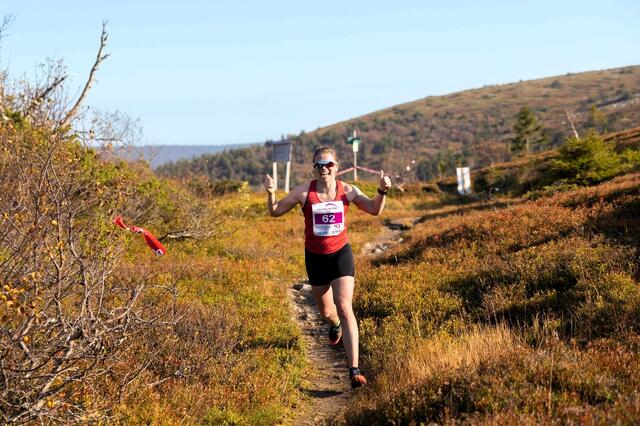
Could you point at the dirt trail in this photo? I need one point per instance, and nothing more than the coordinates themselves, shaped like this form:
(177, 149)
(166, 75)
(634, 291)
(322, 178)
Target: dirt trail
(328, 388)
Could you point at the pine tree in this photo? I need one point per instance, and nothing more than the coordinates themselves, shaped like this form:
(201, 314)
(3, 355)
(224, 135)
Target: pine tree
(528, 133)
(586, 161)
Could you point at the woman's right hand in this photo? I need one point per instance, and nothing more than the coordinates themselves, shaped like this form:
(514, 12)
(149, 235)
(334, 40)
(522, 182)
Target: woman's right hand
(269, 184)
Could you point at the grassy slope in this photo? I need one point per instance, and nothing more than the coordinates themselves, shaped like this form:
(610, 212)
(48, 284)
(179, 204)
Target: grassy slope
(503, 310)
(479, 120)
(529, 173)
(524, 314)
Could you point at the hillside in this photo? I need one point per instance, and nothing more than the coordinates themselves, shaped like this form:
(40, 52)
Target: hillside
(532, 172)
(471, 127)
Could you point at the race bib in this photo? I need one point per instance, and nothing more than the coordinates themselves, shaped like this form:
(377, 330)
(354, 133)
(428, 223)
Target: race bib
(328, 218)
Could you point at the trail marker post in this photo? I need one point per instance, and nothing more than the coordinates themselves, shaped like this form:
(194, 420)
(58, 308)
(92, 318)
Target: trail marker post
(464, 180)
(282, 154)
(354, 141)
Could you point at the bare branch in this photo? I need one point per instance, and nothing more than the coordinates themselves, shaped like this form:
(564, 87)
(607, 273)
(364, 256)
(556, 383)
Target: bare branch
(96, 65)
(573, 127)
(7, 20)
(43, 96)
(196, 235)
(185, 235)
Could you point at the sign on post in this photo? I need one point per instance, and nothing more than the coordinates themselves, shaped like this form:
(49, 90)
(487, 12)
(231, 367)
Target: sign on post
(464, 180)
(282, 154)
(354, 142)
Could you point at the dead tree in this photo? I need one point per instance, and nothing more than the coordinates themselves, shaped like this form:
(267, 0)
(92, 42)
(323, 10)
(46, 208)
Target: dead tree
(573, 127)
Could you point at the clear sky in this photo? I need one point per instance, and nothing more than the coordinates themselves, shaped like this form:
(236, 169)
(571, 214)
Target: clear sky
(218, 72)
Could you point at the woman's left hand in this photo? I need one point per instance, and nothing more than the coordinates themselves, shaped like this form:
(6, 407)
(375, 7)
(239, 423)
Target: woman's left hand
(385, 182)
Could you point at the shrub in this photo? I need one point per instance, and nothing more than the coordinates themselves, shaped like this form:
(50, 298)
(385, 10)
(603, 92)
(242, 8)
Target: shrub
(586, 161)
(70, 315)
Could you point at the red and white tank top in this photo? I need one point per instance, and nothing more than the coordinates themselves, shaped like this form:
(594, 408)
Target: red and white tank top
(325, 223)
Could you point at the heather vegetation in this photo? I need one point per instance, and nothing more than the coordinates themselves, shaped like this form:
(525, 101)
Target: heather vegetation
(584, 160)
(496, 310)
(527, 313)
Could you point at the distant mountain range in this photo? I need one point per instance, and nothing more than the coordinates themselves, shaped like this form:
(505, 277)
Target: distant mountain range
(158, 155)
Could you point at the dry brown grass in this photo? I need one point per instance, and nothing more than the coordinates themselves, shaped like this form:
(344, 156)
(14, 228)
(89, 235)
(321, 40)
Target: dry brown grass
(421, 360)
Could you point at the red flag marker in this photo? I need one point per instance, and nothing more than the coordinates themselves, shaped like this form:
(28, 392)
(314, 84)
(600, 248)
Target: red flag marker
(153, 243)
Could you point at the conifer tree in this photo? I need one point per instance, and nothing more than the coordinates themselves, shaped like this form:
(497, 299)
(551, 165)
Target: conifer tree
(528, 134)
(586, 161)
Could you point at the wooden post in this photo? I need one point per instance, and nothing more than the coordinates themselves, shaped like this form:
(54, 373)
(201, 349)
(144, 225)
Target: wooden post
(355, 161)
(355, 166)
(287, 176)
(275, 175)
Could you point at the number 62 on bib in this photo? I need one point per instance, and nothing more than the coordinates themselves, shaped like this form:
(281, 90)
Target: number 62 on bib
(328, 218)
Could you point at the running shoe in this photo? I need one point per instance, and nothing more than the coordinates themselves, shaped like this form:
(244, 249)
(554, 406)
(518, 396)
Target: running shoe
(335, 334)
(357, 379)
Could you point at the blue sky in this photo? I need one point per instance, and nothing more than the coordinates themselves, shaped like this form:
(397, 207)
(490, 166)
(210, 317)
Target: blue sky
(218, 72)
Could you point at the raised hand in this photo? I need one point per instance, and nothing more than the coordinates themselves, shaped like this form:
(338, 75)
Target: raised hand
(385, 181)
(269, 184)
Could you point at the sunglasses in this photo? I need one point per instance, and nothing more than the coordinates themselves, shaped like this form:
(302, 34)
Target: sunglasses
(323, 163)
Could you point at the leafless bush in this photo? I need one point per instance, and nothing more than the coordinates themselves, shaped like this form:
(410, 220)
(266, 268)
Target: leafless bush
(68, 317)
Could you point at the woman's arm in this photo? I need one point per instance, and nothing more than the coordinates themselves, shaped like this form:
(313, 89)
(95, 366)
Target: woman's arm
(376, 205)
(278, 208)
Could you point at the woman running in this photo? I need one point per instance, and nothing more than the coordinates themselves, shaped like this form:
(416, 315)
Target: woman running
(328, 256)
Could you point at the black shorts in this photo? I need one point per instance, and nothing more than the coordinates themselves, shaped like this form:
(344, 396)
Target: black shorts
(324, 268)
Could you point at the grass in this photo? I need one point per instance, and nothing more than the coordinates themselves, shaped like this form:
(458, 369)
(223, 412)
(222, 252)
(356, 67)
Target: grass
(236, 342)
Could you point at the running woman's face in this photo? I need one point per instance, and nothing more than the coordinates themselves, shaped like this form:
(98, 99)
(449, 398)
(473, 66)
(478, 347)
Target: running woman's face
(325, 165)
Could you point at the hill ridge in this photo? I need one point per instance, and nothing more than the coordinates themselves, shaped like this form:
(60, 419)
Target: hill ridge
(432, 135)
